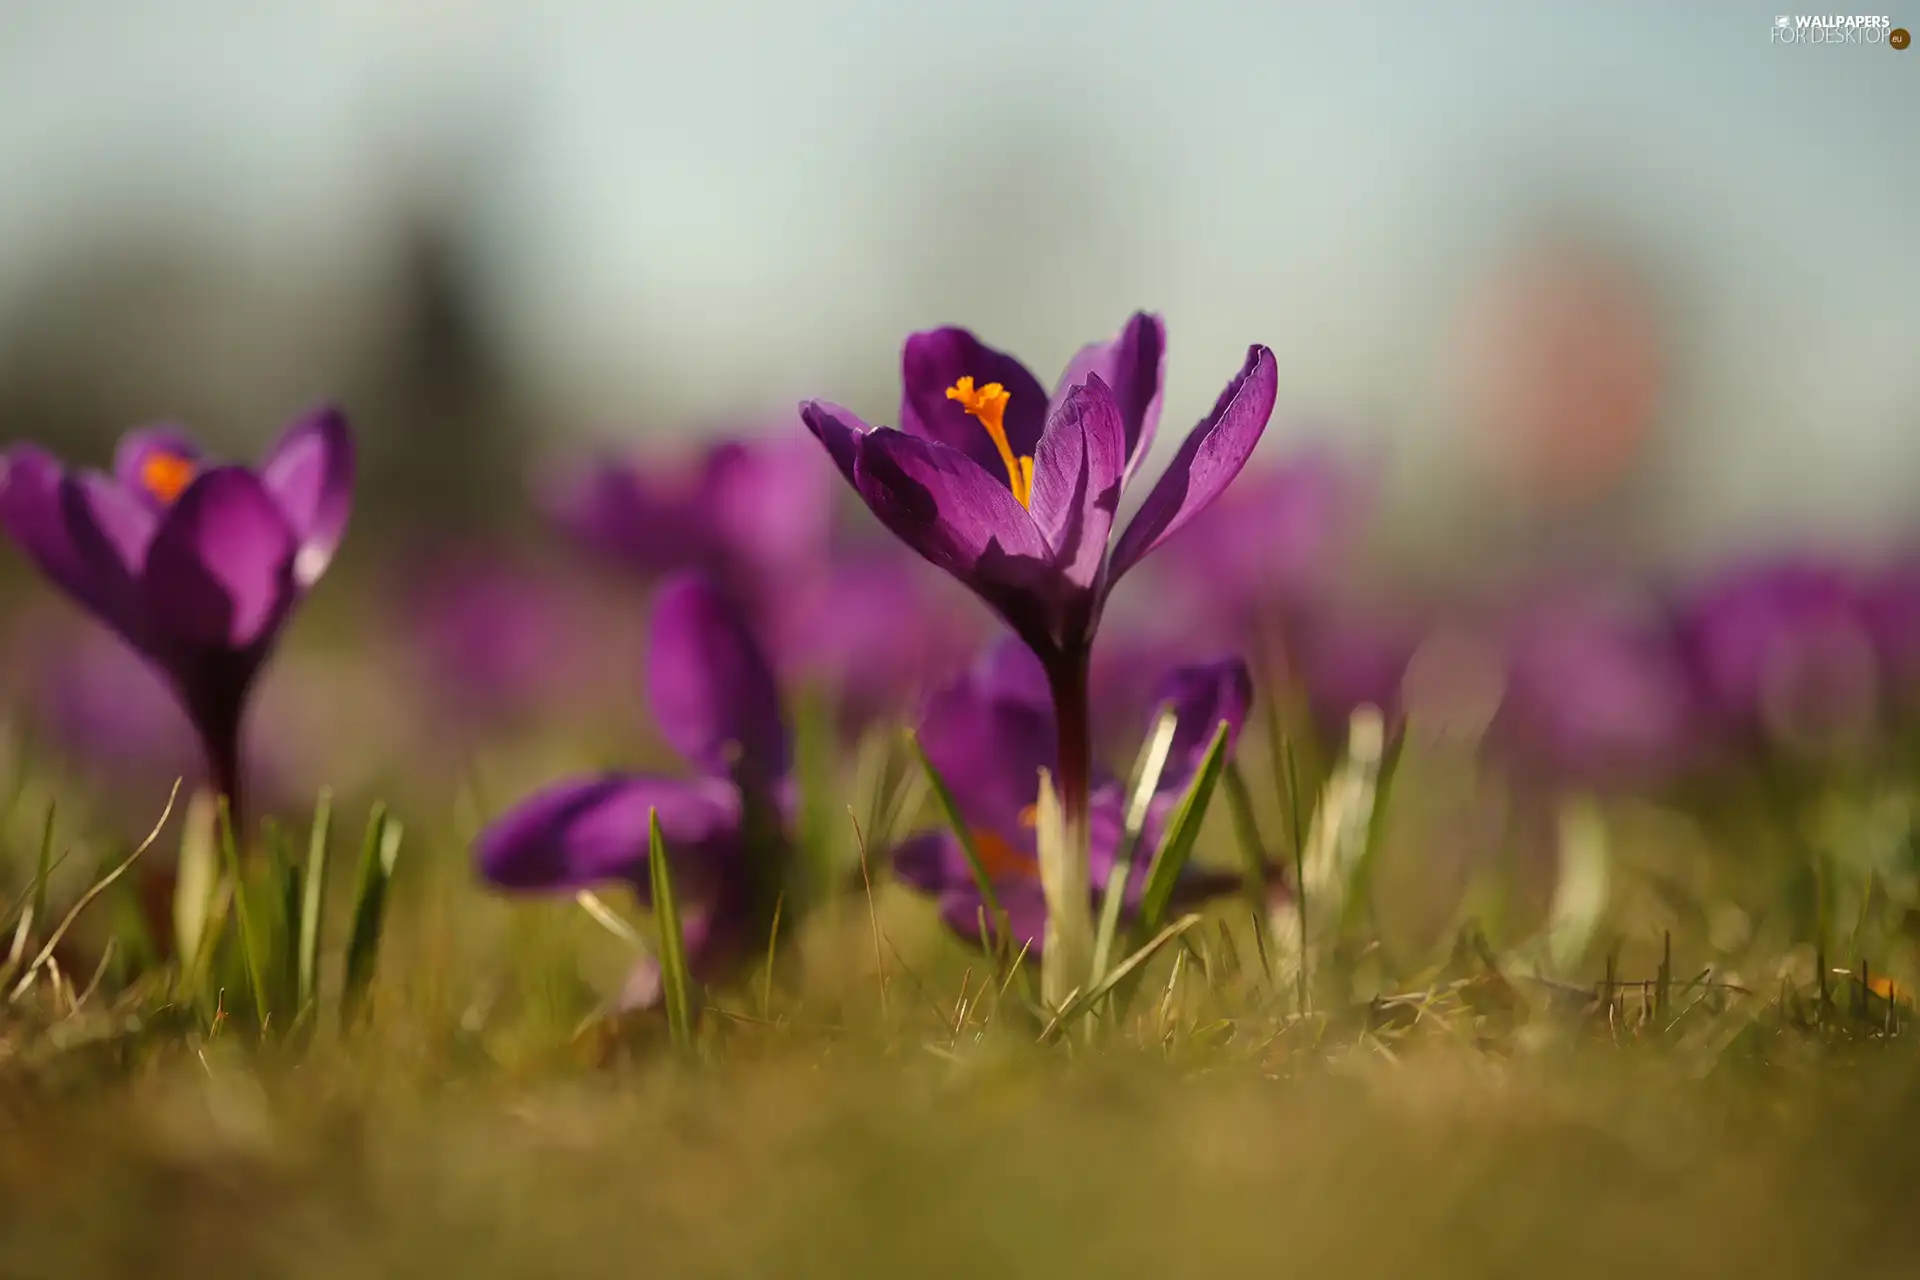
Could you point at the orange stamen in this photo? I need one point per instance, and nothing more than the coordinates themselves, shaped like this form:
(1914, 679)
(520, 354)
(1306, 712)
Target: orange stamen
(166, 475)
(988, 407)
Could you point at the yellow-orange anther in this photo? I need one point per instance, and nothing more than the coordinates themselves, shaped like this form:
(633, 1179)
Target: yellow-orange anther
(988, 406)
(166, 475)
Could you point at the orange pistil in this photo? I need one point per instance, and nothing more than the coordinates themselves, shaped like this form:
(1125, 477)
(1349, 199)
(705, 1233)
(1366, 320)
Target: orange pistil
(166, 475)
(988, 407)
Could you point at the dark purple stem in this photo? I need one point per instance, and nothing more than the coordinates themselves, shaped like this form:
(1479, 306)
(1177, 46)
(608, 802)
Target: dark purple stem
(218, 713)
(1067, 678)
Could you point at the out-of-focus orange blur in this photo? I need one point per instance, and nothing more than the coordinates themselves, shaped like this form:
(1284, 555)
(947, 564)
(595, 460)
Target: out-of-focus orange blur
(1561, 369)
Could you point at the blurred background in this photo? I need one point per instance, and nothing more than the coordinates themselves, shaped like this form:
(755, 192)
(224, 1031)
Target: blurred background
(1565, 298)
(1625, 277)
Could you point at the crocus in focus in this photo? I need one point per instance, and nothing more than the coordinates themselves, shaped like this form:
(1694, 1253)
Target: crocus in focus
(991, 731)
(195, 564)
(716, 702)
(1015, 492)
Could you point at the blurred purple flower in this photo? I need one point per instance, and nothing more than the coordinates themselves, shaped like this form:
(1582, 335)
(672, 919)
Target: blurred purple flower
(493, 639)
(1275, 543)
(105, 710)
(1893, 617)
(750, 512)
(1015, 493)
(1345, 656)
(196, 565)
(1596, 692)
(1782, 652)
(990, 732)
(875, 629)
(717, 703)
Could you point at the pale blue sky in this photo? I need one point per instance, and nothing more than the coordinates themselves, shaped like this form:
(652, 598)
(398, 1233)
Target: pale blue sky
(732, 203)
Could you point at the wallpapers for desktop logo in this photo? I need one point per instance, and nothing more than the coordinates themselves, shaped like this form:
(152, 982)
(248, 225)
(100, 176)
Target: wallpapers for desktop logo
(1834, 28)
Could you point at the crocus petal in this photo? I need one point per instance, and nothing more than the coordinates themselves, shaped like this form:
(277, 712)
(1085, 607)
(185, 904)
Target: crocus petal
(840, 430)
(1009, 672)
(933, 361)
(957, 516)
(1202, 696)
(112, 532)
(310, 472)
(1134, 365)
(988, 750)
(32, 512)
(140, 448)
(711, 684)
(219, 574)
(1076, 479)
(577, 834)
(1208, 461)
(1023, 901)
(932, 862)
(768, 504)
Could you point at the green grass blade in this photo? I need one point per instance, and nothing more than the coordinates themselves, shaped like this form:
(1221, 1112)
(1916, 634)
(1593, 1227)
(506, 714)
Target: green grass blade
(313, 900)
(1360, 898)
(1147, 769)
(198, 875)
(1176, 845)
(283, 874)
(1082, 1001)
(676, 984)
(33, 910)
(378, 854)
(950, 809)
(43, 866)
(243, 915)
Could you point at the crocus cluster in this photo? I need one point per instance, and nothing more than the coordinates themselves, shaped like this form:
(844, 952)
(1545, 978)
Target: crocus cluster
(1015, 492)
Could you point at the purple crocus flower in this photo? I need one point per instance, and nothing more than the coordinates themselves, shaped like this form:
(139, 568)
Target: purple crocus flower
(991, 731)
(1015, 492)
(717, 703)
(1782, 652)
(197, 565)
(1596, 692)
(749, 511)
